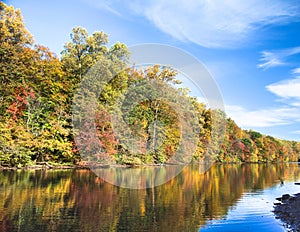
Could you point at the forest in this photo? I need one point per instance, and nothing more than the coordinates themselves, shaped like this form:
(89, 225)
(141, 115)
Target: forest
(37, 117)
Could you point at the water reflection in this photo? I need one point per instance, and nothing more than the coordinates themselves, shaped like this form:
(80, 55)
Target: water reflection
(77, 200)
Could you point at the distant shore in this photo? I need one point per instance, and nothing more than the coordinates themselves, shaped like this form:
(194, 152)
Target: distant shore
(47, 165)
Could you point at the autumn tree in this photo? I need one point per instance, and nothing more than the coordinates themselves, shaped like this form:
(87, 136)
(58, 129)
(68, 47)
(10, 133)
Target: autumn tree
(119, 108)
(12, 28)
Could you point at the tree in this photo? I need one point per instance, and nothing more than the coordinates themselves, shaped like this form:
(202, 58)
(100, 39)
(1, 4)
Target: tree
(12, 29)
(83, 51)
(36, 100)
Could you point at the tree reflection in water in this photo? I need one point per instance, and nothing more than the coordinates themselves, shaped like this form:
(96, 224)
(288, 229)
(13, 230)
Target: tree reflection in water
(77, 200)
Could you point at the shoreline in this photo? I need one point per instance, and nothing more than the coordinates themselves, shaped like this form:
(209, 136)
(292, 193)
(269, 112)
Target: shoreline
(57, 166)
(46, 165)
(287, 210)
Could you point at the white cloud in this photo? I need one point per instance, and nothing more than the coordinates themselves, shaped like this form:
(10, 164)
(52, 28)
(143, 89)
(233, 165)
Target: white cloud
(217, 23)
(295, 104)
(269, 60)
(287, 89)
(276, 58)
(209, 23)
(262, 117)
(296, 71)
(288, 92)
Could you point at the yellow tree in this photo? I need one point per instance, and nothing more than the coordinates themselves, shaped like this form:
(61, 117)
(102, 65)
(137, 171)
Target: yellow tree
(12, 28)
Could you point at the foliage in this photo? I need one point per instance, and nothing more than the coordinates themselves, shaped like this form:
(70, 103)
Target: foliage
(37, 90)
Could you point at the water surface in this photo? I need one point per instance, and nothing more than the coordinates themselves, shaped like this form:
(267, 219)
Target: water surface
(225, 198)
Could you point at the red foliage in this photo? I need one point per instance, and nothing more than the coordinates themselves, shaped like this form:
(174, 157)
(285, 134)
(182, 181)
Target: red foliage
(105, 132)
(17, 107)
(239, 145)
(100, 143)
(169, 150)
(223, 147)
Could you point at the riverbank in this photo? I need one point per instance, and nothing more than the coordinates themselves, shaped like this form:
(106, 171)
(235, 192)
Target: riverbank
(45, 165)
(287, 209)
(81, 165)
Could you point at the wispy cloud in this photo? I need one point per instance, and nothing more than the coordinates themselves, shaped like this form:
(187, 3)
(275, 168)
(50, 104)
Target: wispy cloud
(287, 89)
(277, 58)
(104, 5)
(288, 92)
(217, 23)
(296, 71)
(269, 60)
(263, 117)
(286, 113)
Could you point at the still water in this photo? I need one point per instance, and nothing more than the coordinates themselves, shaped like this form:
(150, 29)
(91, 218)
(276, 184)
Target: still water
(225, 198)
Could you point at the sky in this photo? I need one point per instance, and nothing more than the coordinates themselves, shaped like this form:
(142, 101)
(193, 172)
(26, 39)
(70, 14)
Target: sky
(251, 48)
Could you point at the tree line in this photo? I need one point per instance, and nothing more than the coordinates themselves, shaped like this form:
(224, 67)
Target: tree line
(37, 107)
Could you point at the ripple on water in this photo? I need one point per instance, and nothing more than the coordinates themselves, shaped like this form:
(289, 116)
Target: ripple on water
(253, 212)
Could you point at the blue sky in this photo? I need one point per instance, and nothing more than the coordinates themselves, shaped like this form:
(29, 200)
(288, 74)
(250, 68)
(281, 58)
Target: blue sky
(251, 48)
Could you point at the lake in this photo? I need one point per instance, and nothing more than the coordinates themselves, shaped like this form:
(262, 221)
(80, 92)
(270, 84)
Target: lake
(227, 197)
